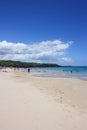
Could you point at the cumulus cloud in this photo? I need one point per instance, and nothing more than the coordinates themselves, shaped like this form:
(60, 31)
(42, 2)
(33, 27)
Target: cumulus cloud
(45, 51)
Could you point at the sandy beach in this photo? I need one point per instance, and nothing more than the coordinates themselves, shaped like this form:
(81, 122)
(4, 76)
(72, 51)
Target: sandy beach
(35, 103)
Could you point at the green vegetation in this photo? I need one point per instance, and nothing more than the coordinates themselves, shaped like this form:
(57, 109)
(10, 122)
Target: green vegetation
(20, 64)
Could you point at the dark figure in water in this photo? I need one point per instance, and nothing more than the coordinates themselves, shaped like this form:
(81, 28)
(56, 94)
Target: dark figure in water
(28, 69)
(71, 71)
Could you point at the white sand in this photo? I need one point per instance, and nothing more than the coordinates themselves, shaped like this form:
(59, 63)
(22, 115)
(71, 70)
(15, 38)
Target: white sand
(29, 103)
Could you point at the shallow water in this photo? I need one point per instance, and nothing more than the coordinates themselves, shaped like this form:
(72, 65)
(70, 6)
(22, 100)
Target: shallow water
(79, 72)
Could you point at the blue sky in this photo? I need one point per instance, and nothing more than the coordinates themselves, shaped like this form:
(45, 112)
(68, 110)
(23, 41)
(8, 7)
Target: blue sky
(48, 25)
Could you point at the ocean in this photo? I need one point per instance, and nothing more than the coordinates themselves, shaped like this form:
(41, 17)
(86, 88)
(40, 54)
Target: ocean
(65, 72)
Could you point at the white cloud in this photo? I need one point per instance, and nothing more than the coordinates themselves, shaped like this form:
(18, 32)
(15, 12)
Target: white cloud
(66, 59)
(45, 51)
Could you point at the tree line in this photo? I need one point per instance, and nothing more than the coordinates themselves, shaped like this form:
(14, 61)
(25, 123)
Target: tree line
(9, 63)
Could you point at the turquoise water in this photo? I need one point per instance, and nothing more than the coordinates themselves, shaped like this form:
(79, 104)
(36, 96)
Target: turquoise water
(69, 72)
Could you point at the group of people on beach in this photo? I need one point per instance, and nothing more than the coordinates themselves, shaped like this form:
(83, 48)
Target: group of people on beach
(4, 69)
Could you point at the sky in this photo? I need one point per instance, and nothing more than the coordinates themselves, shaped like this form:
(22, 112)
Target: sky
(50, 31)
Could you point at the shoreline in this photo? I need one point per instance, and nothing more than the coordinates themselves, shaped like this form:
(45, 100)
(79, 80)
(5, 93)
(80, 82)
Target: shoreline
(68, 89)
(38, 72)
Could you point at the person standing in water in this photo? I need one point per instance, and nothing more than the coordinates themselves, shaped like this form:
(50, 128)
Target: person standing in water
(71, 71)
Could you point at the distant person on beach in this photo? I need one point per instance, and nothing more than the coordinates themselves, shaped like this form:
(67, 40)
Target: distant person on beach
(28, 69)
